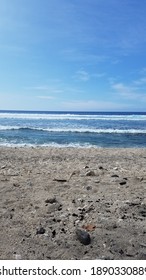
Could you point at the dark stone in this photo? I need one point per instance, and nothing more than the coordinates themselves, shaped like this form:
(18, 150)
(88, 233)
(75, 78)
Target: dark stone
(53, 233)
(115, 176)
(41, 230)
(86, 166)
(51, 200)
(60, 207)
(89, 188)
(83, 236)
(75, 215)
(122, 183)
(60, 180)
(100, 167)
(81, 217)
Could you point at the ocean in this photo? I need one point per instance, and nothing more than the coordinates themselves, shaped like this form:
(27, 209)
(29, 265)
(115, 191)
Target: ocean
(72, 129)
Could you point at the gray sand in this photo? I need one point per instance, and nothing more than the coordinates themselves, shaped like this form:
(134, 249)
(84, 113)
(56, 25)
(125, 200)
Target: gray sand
(46, 194)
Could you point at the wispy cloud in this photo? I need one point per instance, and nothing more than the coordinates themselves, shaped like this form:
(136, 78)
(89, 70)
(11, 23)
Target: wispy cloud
(84, 76)
(140, 82)
(130, 92)
(45, 88)
(46, 97)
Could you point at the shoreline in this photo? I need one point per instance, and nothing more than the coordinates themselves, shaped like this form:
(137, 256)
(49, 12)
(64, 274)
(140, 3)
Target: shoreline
(100, 190)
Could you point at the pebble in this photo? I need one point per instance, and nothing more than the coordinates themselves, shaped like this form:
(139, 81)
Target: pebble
(115, 176)
(41, 230)
(51, 200)
(115, 168)
(122, 183)
(90, 173)
(83, 236)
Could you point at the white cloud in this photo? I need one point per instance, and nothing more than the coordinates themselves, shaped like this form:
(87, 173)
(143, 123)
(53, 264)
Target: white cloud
(129, 92)
(141, 81)
(46, 97)
(45, 88)
(82, 75)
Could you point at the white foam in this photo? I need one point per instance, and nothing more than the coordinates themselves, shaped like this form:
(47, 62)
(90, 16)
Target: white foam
(76, 130)
(77, 116)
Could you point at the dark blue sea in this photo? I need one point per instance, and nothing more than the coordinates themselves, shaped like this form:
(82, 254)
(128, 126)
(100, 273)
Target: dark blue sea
(72, 129)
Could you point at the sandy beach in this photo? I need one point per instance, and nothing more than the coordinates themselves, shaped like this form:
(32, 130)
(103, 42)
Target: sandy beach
(50, 195)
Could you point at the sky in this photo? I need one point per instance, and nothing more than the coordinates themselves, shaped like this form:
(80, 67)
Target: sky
(73, 55)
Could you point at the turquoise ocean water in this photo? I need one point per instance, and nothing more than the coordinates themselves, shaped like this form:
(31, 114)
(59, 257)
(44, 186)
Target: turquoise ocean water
(72, 129)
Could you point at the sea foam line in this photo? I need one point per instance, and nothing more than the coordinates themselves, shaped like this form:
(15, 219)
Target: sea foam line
(76, 130)
(71, 117)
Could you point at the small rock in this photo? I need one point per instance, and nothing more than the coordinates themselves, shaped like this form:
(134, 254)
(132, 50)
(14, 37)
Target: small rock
(16, 185)
(75, 215)
(122, 183)
(90, 173)
(51, 200)
(114, 176)
(83, 236)
(115, 168)
(60, 180)
(88, 188)
(86, 167)
(40, 231)
(3, 167)
(53, 233)
(100, 167)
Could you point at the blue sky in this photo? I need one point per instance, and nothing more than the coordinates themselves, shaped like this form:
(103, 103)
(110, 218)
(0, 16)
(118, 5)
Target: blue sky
(73, 55)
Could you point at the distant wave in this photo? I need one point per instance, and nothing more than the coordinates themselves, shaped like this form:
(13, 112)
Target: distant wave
(76, 130)
(71, 116)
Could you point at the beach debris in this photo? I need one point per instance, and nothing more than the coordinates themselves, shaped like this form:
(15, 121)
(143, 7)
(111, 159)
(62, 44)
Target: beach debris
(90, 173)
(89, 227)
(60, 180)
(83, 236)
(41, 230)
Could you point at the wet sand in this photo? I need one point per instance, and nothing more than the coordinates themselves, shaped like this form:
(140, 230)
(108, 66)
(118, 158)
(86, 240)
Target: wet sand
(47, 194)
